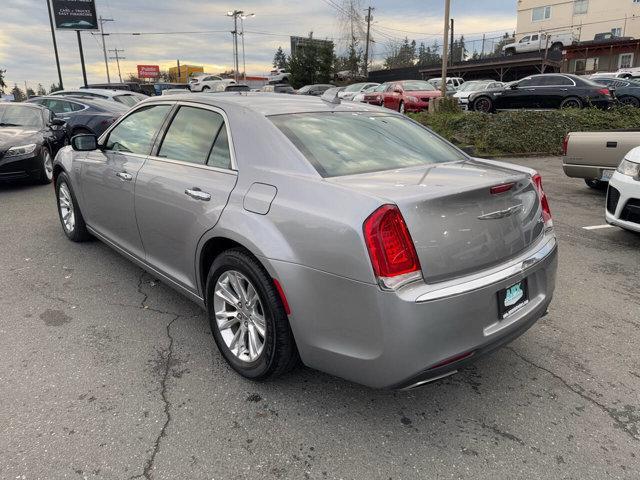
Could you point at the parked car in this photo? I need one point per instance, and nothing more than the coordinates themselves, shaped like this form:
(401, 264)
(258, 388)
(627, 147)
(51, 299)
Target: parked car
(30, 136)
(359, 97)
(540, 41)
(160, 87)
(202, 83)
(227, 87)
(375, 96)
(175, 91)
(314, 90)
(452, 82)
(594, 156)
(550, 90)
(278, 88)
(279, 75)
(474, 86)
(625, 91)
(83, 115)
(126, 98)
(127, 86)
(352, 90)
(623, 194)
(409, 95)
(346, 236)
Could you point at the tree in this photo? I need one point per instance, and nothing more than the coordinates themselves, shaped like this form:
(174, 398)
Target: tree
(2, 84)
(134, 79)
(280, 59)
(312, 63)
(18, 95)
(40, 91)
(459, 50)
(30, 92)
(54, 88)
(352, 61)
(400, 54)
(428, 55)
(506, 39)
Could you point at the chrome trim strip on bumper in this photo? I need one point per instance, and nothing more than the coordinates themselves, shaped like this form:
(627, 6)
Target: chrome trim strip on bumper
(495, 277)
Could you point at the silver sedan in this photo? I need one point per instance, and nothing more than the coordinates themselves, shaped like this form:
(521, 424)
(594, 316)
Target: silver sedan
(345, 236)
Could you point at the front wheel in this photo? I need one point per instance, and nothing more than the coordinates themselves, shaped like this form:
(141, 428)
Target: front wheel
(248, 320)
(69, 212)
(629, 101)
(595, 184)
(571, 102)
(45, 170)
(483, 104)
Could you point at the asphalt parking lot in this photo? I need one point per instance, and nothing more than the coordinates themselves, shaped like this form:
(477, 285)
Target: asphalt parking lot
(107, 373)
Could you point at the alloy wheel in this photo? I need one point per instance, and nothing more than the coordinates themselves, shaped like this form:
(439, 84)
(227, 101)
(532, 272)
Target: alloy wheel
(65, 203)
(48, 165)
(483, 105)
(240, 316)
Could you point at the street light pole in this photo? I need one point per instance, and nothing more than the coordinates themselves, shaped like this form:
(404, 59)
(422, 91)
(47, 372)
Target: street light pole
(445, 47)
(244, 63)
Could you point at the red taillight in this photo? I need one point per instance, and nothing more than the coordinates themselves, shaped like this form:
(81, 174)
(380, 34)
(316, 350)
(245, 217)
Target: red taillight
(604, 91)
(544, 203)
(389, 243)
(283, 298)
(565, 144)
(498, 189)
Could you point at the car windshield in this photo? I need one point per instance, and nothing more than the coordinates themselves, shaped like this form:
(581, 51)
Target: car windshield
(356, 87)
(20, 116)
(343, 143)
(305, 89)
(417, 85)
(471, 86)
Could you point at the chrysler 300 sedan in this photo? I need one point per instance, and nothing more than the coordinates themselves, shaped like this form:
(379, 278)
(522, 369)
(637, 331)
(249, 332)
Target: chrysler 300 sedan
(345, 236)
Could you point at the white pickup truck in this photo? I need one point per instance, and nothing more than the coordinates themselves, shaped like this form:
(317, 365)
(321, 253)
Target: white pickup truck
(594, 156)
(540, 41)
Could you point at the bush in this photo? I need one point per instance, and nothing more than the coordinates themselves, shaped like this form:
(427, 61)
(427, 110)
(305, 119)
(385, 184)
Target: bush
(525, 132)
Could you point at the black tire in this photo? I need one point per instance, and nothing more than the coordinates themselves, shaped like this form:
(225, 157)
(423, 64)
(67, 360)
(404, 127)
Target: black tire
(509, 52)
(79, 232)
(279, 354)
(571, 102)
(556, 47)
(629, 101)
(44, 174)
(483, 104)
(595, 184)
(205, 88)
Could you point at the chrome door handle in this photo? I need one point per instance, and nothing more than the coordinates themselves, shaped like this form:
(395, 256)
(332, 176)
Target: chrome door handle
(127, 177)
(198, 194)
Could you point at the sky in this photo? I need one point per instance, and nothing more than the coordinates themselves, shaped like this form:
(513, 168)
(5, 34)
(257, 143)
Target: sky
(26, 48)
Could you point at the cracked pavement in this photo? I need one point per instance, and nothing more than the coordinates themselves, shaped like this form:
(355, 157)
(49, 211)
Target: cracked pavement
(107, 373)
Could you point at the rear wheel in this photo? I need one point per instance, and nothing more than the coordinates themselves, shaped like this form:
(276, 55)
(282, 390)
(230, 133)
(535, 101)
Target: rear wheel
(556, 47)
(509, 51)
(247, 318)
(595, 184)
(571, 102)
(69, 212)
(205, 88)
(45, 171)
(630, 101)
(483, 104)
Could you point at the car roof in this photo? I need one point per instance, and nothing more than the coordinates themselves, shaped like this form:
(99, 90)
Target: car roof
(265, 103)
(93, 102)
(105, 92)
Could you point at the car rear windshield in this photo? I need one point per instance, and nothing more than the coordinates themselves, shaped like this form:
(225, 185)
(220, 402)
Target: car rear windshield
(128, 100)
(20, 116)
(348, 143)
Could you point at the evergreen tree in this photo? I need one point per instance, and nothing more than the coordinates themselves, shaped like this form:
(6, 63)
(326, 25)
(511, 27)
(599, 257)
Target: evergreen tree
(54, 88)
(30, 92)
(2, 84)
(40, 91)
(280, 59)
(401, 54)
(18, 95)
(312, 63)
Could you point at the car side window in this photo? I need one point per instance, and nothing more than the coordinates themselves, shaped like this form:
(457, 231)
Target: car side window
(136, 132)
(58, 106)
(525, 39)
(527, 82)
(534, 37)
(191, 135)
(220, 155)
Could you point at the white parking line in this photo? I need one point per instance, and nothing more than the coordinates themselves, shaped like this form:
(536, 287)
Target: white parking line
(598, 227)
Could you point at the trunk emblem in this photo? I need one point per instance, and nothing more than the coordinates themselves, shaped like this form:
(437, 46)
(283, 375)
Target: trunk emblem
(507, 212)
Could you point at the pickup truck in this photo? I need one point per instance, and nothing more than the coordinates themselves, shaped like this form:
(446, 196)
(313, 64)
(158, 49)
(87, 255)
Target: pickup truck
(540, 41)
(594, 156)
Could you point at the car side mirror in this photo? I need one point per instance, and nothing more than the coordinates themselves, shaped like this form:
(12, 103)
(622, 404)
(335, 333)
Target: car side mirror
(58, 122)
(84, 142)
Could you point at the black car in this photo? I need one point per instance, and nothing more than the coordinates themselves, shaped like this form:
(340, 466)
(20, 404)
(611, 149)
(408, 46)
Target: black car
(626, 91)
(83, 115)
(549, 90)
(30, 136)
(315, 90)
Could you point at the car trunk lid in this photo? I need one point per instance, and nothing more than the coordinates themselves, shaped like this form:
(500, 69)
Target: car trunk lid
(458, 223)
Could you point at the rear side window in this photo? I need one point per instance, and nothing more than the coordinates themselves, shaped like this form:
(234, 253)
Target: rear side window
(350, 143)
(128, 100)
(135, 133)
(195, 136)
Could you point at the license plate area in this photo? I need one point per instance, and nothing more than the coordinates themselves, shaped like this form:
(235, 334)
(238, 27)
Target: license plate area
(606, 175)
(513, 298)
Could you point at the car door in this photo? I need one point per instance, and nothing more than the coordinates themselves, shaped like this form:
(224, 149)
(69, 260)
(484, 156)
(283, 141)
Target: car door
(108, 176)
(523, 96)
(554, 89)
(392, 96)
(523, 44)
(182, 189)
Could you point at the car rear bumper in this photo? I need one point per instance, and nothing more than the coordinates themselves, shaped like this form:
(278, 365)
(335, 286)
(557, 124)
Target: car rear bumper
(19, 168)
(623, 202)
(399, 339)
(584, 171)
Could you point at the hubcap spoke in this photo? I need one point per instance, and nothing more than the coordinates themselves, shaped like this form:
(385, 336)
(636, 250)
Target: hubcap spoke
(259, 323)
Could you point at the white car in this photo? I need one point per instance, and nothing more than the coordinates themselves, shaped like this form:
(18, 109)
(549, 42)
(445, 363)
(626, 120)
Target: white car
(623, 194)
(352, 90)
(203, 83)
(279, 75)
(452, 82)
(473, 86)
(540, 41)
(121, 96)
(359, 97)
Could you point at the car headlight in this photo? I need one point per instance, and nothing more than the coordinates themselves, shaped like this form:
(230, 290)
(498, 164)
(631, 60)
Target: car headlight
(412, 99)
(628, 168)
(20, 150)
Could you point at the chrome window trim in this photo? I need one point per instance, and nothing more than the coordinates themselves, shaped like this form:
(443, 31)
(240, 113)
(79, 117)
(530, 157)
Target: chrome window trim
(553, 86)
(234, 164)
(515, 268)
(191, 164)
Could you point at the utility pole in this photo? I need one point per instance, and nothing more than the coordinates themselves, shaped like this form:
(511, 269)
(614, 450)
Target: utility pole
(84, 69)
(117, 58)
(104, 45)
(483, 39)
(451, 43)
(235, 14)
(366, 48)
(244, 63)
(55, 44)
(445, 47)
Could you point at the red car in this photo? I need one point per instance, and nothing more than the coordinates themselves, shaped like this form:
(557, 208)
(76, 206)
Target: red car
(409, 95)
(375, 96)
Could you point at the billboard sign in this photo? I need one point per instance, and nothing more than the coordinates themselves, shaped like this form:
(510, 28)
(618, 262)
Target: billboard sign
(148, 71)
(75, 14)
